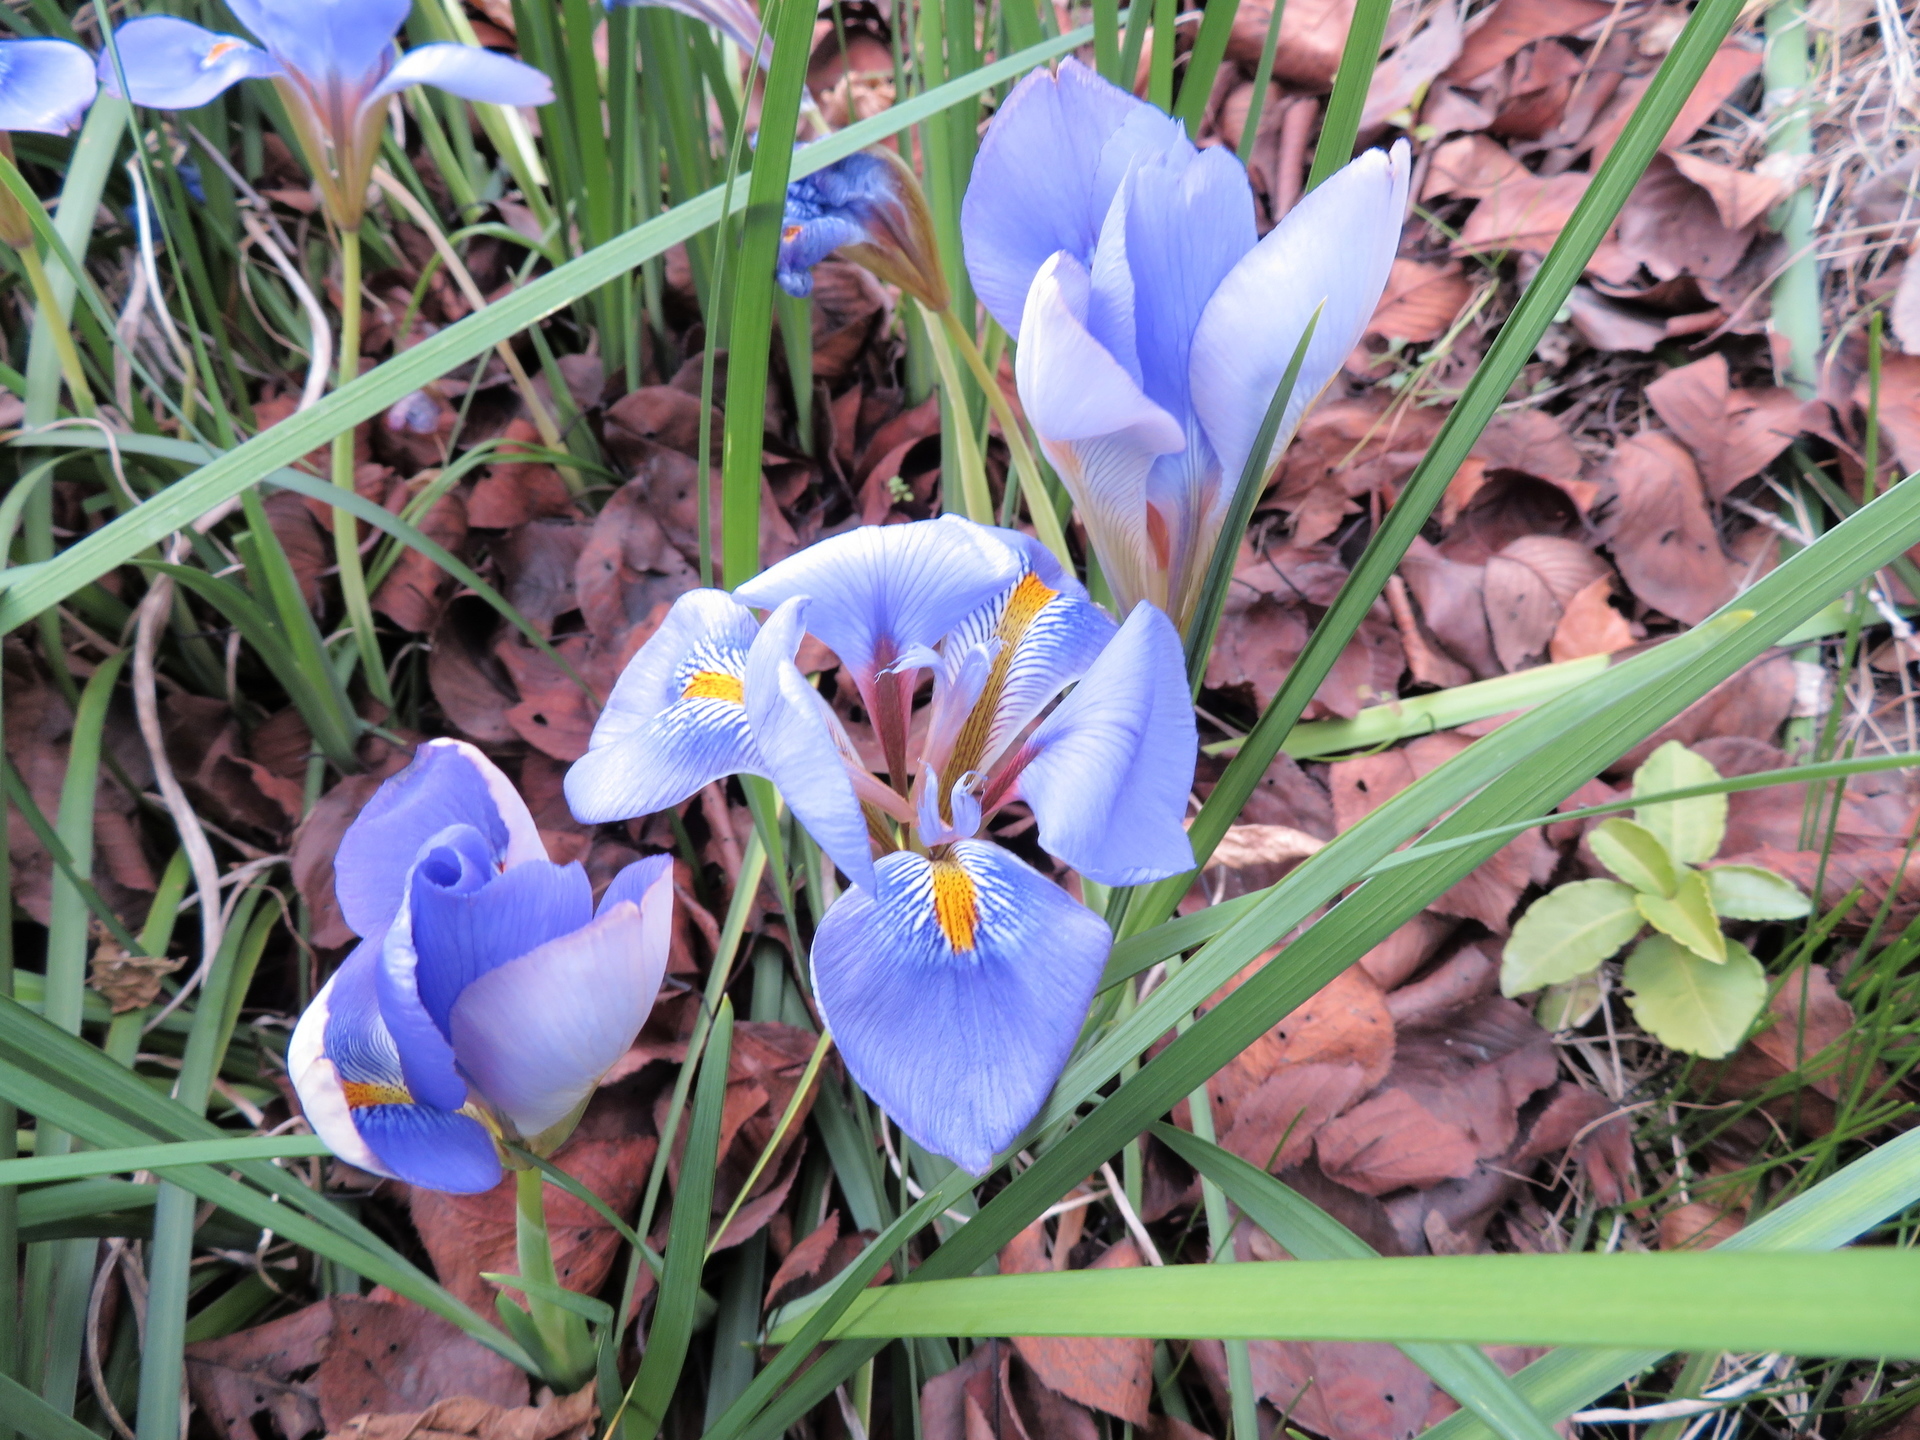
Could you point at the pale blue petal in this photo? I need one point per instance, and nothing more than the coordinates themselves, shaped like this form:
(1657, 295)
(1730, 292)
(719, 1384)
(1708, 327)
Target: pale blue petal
(1337, 245)
(45, 85)
(349, 41)
(1108, 772)
(1099, 428)
(804, 243)
(461, 930)
(799, 740)
(958, 1029)
(449, 783)
(673, 724)
(469, 72)
(1045, 174)
(647, 883)
(434, 1149)
(881, 589)
(962, 804)
(733, 18)
(536, 1034)
(172, 65)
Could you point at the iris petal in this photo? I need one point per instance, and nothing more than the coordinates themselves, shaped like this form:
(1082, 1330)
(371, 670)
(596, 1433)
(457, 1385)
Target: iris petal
(348, 40)
(806, 755)
(806, 240)
(1107, 773)
(1100, 429)
(955, 989)
(1039, 183)
(173, 65)
(434, 1149)
(733, 18)
(45, 85)
(448, 783)
(676, 721)
(880, 589)
(1336, 245)
(536, 1034)
(469, 72)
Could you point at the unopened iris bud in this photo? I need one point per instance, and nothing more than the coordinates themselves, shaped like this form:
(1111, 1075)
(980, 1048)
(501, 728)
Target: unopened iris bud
(869, 208)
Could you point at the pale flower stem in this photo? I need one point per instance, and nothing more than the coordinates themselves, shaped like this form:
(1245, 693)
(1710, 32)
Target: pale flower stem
(1026, 469)
(346, 535)
(976, 501)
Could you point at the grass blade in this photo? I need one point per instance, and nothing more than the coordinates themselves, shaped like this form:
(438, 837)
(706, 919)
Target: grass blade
(1341, 126)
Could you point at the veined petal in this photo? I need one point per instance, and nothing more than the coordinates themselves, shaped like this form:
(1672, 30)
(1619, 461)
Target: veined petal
(806, 240)
(676, 720)
(466, 71)
(449, 783)
(1337, 245)
(325, 40)
(45, 85)
(881, 589)
(955, 989)
(537, 1034)
(962, 804)
(1107, 773)
(173, 65)
(800, 743)
(346, 1070)
(460, 930)
(1097, 425)
(1042, 633)
(733, 18)
(1045, 174)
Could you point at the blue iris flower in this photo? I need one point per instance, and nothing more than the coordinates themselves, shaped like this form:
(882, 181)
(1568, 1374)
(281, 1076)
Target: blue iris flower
(333, 62)
(45, 85)
(733, 18)
(1153, 328)
(955, 977)
(487, 996)
(869, 207)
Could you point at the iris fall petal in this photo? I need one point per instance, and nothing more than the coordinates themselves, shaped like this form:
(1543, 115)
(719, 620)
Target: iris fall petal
(45, 85)
(469, 72)
(173, 65)
(955, 989)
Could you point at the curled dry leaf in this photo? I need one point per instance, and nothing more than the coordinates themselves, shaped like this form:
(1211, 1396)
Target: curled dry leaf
(1420, 301)
(1252, 857)
(1498, 32)
(1733, 433)
(567, 1417)
(1312, 34)
(1528, 587)
(1107, 1374)
(1590, 625)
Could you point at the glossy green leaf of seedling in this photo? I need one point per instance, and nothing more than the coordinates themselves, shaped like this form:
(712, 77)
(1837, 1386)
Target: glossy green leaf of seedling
(1691, 830)
(1688, 918)
(1690, 1003)
(1636, 855)
(1568, 932)
(1748, 892)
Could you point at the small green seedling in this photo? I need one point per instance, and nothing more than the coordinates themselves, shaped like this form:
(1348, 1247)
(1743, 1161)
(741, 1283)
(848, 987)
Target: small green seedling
(1690, 986)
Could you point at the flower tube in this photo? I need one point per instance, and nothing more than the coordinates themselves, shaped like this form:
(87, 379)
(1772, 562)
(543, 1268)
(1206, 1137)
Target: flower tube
(488, 994)
(954, 975)
(1154, 328)
(334, 64)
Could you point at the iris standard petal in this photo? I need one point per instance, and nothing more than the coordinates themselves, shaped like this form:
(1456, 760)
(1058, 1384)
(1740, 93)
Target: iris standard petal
(1337, 245)
(460, 932)
(676, 720)
(1043, 632)
(1097, 425)
(955, 989)
(647, 883)
(351, 40)
(880, 589)
(448, 783)
(1108, 772)
(173, 65)
(1039, 184)
(801, 746)
(469, 72)
(346, 1070)
(45, 85)
(536, 1034)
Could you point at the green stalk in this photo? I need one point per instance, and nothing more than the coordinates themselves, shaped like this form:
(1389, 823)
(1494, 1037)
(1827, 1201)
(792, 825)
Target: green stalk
(1796, 294)
(976, 501)
(1341, 127)
(44, 300)
(1160, 64)
(1026, 469)
(1243, 1398)
(563, 1333)
(346, 532)
(1262, 77)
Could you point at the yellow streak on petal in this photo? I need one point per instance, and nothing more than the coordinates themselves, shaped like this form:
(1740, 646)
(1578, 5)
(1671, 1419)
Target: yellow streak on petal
(218, 50)
(714, 685)
(956, 904)
(1023, 607)
(360, 1094)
